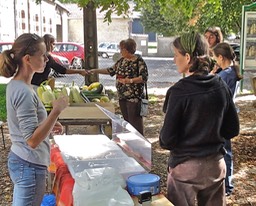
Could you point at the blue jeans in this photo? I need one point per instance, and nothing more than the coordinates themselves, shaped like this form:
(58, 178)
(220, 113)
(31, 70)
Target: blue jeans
(29, 181)
(229, 163)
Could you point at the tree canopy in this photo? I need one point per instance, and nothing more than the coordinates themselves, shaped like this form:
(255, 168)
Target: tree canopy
(179, 16)
(171, 17)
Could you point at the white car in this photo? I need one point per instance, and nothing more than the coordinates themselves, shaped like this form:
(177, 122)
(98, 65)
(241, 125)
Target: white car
(107, 50)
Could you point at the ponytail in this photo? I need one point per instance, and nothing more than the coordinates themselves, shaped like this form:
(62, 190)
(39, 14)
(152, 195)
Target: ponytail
(8, 65)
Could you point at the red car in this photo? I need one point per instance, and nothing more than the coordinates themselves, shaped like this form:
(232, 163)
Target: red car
(61, 60)
(72, 51)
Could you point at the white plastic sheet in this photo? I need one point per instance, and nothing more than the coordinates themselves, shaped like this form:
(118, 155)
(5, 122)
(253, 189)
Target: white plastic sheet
(100, 187)
(130, 140)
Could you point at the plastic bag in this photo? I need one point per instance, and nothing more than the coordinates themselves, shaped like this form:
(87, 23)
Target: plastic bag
(100, 187)
(143, 107)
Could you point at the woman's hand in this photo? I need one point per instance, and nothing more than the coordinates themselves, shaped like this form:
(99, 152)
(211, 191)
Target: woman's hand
(123, 80)
(126, 80)
(58, 105)
(215, 69)
(83, 72)
(57, 129)
(92, 71)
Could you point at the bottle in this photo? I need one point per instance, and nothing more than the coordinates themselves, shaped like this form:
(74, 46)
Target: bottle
(49, 200)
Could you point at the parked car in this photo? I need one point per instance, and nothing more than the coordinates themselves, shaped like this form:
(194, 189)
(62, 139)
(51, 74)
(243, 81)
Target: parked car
(103, 45)
(106, 49)
(236, 48)
(61, 60)
(70, 50)
(109, 50)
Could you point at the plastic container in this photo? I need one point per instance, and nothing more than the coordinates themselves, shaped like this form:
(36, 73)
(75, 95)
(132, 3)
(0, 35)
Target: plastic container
(49, 200)
(125, 166)
(143, 182)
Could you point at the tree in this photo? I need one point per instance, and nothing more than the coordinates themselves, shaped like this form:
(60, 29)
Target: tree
(183, 16)
(174, 16)
(120, 7)
(154, 21)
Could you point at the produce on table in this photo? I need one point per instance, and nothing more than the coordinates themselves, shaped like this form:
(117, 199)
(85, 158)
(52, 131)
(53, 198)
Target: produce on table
(93, 88)
(104, 99)
(47, 95)
(75, 94)
(95, 100)
(94, 92)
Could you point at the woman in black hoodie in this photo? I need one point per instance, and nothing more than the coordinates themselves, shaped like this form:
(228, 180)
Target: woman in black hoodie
(200, 113)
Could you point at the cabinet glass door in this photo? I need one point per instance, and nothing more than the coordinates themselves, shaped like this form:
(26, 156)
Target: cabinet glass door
(250, 41)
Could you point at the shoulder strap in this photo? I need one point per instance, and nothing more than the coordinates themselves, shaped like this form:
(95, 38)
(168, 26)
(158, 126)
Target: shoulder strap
(145, 84)
(146, 89)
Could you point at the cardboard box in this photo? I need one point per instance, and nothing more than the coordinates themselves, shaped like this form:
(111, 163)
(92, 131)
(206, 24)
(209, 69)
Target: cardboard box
(86, 111)
(92, 105)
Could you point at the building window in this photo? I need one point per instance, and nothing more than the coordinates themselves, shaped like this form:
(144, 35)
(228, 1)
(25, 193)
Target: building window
(44, 19)
(23, 26)
(22, 14)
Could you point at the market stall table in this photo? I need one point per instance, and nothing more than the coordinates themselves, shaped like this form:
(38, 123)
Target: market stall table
(86, 114)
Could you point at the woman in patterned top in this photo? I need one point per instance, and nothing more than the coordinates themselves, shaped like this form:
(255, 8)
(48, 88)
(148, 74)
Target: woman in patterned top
(131, 74)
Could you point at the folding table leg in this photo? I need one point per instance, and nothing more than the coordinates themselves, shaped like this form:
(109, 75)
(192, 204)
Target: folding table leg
(1, 127)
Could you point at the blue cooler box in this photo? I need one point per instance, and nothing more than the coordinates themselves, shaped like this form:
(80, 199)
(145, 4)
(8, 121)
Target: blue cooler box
(143, 182)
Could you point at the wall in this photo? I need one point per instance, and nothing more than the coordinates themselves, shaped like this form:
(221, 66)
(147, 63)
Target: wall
(142, 43)
(112, 32)
(115, 31)
(27, 16)
(7, 32)
(164, 46)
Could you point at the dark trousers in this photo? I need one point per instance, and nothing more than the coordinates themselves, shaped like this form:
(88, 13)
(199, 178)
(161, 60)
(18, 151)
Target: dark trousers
(130, 114)
(200, 179)
(229, 163)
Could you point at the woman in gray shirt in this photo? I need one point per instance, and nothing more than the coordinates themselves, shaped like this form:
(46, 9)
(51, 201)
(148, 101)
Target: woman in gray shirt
(28, 123)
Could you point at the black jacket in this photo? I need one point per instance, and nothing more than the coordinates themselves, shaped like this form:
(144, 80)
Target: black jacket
(200, 113)
(38, 78)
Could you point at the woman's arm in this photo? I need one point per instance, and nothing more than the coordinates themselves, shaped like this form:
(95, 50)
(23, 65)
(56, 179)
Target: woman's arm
(98, 71)
(44, 129)
(134, 80)
(82, 72)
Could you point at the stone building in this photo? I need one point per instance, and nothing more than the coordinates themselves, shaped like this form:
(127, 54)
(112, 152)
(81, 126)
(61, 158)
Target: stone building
(115, 31)
(23, 16)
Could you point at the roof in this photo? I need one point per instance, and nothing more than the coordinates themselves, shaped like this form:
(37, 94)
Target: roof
(62, 6)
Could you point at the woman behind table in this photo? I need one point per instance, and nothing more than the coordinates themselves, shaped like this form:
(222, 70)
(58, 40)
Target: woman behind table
(131, 74)
(200, 113)
(38, 78)
(225, 59)
(28, 123)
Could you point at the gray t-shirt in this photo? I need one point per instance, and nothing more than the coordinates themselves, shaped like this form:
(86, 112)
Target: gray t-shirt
(25, 112)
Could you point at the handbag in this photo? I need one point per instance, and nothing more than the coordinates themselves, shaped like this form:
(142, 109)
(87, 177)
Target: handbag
(143, 105)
